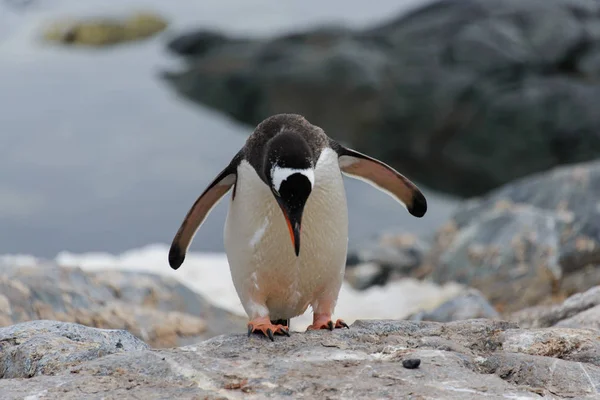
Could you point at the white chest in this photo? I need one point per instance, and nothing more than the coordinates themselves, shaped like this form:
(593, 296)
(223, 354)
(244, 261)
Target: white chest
(260, 251)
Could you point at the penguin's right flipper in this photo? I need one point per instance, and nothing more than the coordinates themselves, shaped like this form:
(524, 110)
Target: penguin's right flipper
(382, 177)
(200, 210)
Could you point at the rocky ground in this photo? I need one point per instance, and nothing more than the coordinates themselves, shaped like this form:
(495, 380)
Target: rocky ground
(464, 349)
(471, 359)
(462, 96)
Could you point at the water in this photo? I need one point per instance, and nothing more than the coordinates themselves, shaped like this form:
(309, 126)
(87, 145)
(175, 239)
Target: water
(96, 154)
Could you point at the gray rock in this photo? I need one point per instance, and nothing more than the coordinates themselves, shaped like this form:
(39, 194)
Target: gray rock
(468, 305)
(462, 96)
(586, 319)
(46, 347)
(365, 275)
(567, 344)
(527, 242)
(390, 256)
(460, 360)
(582, 310)
(158, 310)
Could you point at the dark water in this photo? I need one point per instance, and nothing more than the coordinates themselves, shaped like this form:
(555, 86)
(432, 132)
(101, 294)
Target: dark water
(96, 154)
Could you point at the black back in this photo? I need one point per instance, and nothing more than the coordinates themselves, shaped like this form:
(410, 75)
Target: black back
(286, 139)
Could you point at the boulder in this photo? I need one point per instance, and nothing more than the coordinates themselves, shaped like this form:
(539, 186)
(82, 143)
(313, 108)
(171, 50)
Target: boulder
(532, 241)
(159, 310)
(464, 360)
(104, 31)
(461, 96)
(470, 304)
(46, 347)
(388, 257)
(581, 310)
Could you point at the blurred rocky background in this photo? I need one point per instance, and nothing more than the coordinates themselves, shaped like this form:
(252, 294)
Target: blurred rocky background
(489, 105)
(461, 95)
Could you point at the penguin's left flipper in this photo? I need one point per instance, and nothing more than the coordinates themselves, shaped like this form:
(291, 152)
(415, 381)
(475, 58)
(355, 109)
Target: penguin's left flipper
(264, 326)
(382, 177)
(200, 210)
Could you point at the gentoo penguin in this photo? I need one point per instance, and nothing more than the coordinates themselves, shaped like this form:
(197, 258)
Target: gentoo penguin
(286, 232)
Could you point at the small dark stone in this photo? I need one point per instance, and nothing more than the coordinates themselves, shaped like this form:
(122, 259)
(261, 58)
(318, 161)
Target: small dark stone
(411, 363)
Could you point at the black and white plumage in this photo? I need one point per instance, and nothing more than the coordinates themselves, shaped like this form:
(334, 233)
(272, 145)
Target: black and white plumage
(286, 233)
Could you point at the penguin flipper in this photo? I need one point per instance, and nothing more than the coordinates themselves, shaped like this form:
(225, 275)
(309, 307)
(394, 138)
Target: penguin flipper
(382, 177)
(200, 210)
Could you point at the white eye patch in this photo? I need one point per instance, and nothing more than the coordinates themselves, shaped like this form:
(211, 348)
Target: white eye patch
(278, 175)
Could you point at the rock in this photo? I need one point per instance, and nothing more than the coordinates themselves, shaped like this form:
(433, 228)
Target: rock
(365, 275)
(462, 96)
(567, 344)
(459, 360)
(582, 310)
(47, 347)
(390, 256)
(99, 32)
(532, 241)
(468, 305)
(411, 363)
(589, 318)
(159, 310)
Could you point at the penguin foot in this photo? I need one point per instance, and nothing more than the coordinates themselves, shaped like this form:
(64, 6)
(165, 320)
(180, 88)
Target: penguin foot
(264, 326)
(325, 322)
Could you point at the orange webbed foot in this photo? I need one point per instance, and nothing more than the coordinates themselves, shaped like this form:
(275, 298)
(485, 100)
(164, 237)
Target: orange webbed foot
(264, 326)
(325, 322)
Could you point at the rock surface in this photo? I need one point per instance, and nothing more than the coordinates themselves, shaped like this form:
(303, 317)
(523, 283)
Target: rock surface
(100, 32)
(469, 305)
(47, 347)
(532, 241)
(390, 256)
(581, 310)
(462, 96)
(460, 360)
(158, 310)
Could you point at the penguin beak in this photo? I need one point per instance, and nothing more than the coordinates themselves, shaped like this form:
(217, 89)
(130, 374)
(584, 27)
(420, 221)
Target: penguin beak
(293, 218)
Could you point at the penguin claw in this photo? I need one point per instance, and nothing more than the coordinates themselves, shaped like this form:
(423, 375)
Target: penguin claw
(264, 326)
(320, 323)
(339, 324)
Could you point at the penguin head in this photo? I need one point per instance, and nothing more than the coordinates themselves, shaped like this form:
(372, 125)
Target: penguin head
(289, 172)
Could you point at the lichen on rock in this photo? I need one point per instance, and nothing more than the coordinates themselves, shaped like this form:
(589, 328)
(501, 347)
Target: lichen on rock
(100, 32)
